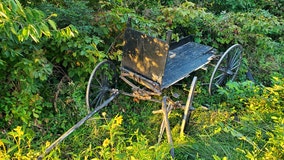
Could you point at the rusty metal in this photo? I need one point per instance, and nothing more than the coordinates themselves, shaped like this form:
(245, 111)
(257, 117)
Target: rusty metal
(155, 87)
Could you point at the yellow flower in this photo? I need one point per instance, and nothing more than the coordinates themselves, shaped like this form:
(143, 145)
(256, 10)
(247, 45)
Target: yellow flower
(47, 144)
(106, 142)
(104, 114)
(19, 131)
(119, 120)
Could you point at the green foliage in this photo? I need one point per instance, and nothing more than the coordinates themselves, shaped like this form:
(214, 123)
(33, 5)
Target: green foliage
(47, 54)
(235, 93)
(79, 53)
(20, 25)
(258, 107)
(23, 63)
(35, 57)
(17, 145)
(113, 144)
(118, 146)
(254, 97)
(218, 6)
(69, 12)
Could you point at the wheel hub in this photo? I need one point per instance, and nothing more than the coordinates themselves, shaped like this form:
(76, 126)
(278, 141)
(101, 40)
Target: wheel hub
(229, 72)
(105, 88)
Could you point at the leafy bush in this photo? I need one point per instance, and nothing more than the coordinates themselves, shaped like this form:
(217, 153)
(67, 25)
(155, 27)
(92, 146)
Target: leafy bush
(117, 146)
(47, 54)
(261, 109)
(33, 52)
(24, 65)
(17, 145)
(218, 6)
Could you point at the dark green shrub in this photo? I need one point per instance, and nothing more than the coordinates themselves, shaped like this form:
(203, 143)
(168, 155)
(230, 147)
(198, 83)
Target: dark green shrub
(36, 57)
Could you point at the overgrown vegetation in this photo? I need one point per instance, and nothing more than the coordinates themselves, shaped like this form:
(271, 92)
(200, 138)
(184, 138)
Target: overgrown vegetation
(48, 50)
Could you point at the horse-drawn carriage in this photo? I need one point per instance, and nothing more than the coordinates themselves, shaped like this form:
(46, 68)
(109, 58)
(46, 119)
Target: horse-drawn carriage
(149, 65)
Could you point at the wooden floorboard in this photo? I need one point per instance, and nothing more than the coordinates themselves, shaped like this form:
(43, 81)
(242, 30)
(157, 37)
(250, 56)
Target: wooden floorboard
(184, 60)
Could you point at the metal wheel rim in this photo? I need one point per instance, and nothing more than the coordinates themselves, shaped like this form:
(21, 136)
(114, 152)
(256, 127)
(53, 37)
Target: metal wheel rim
(231, 61)
(102, 80)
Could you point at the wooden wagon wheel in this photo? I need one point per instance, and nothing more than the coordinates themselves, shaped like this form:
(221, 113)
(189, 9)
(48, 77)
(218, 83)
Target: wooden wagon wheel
(101, 82)
(226, 68)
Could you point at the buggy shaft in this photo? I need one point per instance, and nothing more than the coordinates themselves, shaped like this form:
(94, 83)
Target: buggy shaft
(81, 122)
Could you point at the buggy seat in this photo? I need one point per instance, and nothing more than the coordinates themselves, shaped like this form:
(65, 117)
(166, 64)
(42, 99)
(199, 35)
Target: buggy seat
(156, 61)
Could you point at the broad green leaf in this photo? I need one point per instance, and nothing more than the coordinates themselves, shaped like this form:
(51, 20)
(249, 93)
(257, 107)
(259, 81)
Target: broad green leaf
(34, 38)
(38, 14)
(35, 31)
(25, 33)
(44, 29)
(52, 24)
(20, 7)
(14, 6)
(5, 141)
(3, 15)
(13, 30)
(29, 16)
(65, 63)
(35, 115)
(11, 149)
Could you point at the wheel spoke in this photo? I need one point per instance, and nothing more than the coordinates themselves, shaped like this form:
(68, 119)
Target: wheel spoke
(236, 56)
(236, 51)
(222, 69)
(237, 63)
(235, 66)
(233, 62)
(103, 77)
(99, 82)
(219, 76)
(105, 81)
(96, 98)
(220, 80)
(95, 86)
(227, 58)
(100, 100)
(94, 93)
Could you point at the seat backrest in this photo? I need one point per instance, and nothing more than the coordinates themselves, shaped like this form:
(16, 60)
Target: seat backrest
(144, 55)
